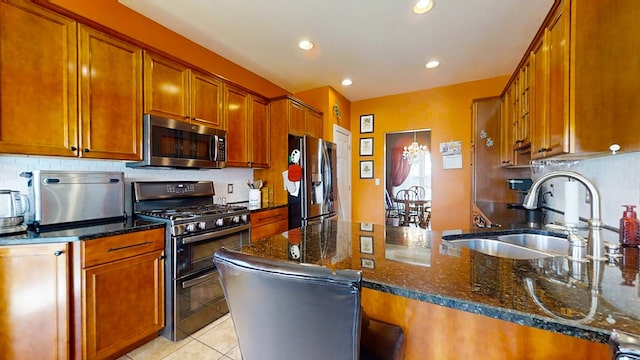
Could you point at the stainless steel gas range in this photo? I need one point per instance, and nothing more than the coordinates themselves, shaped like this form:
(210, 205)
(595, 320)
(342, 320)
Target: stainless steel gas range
(196, 228)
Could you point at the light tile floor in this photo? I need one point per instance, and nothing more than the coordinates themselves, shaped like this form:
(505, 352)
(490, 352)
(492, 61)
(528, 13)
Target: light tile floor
(216, 341)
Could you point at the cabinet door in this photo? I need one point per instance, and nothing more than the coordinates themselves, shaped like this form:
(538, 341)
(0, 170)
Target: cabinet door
(237, 102)
(558, 123)
(124, 303)
(166, 87)
(297, 119)
(110, 97)
(206, 100)
(34, 315)
(522, 131)
(507, 138)
(539, 93)
(38, 81)
(260, 133)
(314, 123)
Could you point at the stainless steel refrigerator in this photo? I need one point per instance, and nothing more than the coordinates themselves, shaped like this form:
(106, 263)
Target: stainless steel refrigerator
(317, 197)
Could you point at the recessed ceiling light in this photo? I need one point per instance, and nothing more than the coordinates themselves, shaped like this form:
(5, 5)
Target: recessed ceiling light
(423, 6)
(305, 45)
(347, 82)
(431, 64)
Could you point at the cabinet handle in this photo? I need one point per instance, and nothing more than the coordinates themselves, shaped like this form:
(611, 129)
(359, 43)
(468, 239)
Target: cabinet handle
(193, 118)
(162, 257)
(58, 252)
(269, 217)
(542, 150)
(73, 148)
(86, 150)
(128, 246)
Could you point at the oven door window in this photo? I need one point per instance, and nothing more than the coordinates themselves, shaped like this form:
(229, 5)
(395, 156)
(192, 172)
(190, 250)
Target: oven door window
(200, 300)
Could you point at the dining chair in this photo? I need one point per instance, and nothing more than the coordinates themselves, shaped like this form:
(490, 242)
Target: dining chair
(405, 201)
(420, 191)
(284, 310)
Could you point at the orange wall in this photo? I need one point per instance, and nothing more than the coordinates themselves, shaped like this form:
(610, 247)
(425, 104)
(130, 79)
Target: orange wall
(447, 112)
(112, 15)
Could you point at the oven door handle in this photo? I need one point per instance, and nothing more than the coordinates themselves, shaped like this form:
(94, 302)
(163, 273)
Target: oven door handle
(198, 280)
(213, 235)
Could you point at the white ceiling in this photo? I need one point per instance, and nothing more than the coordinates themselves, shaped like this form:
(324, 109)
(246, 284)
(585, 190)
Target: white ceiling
(380, 44)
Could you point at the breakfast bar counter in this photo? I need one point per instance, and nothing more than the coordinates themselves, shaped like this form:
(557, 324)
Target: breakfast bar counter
(585, 300)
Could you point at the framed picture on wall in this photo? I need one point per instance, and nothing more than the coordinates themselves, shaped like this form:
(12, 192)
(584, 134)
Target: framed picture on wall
(366, 244)
(366, 169)
(366, 227)
(366, 147)
(366, 124)
(366, 263)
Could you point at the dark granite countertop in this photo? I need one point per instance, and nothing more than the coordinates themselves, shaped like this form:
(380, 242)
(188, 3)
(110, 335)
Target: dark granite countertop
(262, 207)
(568, 297)
(80, 232)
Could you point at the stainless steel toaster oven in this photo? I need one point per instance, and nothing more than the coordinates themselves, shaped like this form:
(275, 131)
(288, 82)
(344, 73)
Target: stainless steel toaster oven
(64, 197)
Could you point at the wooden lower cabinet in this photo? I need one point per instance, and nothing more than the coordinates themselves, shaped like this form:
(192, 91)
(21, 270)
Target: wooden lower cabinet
(437, 332)
(34, 310)
(269, 222)
(121, 294)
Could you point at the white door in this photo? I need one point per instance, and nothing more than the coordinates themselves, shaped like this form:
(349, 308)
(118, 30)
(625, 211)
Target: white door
(342, 138)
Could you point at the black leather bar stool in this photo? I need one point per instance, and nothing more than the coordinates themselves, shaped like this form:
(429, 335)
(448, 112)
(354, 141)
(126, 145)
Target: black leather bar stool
(284, 310)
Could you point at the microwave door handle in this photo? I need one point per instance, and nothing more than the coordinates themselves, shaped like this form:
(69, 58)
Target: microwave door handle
(213, 148)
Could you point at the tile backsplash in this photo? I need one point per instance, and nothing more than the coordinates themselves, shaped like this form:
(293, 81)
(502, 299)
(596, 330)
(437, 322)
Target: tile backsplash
(12, 165)
(617, 178)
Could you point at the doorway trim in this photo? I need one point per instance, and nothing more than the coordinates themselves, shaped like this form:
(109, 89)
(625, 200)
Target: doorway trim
(343, 172)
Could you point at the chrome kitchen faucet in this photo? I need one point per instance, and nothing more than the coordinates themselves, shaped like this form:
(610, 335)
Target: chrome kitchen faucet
(595, 222)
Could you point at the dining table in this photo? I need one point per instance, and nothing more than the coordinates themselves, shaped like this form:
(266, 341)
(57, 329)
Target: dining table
(409, 205)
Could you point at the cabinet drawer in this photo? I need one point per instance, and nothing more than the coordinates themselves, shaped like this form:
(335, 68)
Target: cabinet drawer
(269, 216)
(118, 247)
(263, 231)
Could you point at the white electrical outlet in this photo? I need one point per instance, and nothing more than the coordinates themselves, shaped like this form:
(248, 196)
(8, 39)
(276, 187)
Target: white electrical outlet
(229, 188)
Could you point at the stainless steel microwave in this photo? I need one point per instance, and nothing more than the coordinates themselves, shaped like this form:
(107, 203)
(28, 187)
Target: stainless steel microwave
(177, 144)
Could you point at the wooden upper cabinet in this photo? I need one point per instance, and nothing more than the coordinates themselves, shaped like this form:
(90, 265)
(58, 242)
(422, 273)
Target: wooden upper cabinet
(507, 136)
(206, 100)
(237, 115)
(314, 123)
(35, 319)
(38, 81)
(248, 133)
(260, 133)
(301, 118)
(549, 58)
(539, 95)
(558, 54)
(522, 137)
(166, 87)
(604, 104)
(297, 122)
(110, 97)
(173, 90)
(583, 71)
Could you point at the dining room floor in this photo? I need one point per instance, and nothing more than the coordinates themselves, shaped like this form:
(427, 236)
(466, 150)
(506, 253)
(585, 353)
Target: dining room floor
(216, 341)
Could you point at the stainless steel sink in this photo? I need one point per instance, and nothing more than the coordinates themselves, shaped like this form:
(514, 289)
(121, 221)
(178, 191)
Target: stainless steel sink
(545, 243)
(502, 249)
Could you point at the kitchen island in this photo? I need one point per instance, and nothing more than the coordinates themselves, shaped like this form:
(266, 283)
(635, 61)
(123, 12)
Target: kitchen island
(458, 301)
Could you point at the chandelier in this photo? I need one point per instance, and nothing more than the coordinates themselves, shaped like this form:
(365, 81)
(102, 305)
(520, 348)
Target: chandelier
(412, 152)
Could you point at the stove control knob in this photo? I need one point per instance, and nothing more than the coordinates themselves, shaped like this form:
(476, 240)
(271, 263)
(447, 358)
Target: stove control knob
(219, 222)
(177, 230)
(245, 218)
(235, 220)
(202, 225)
(191, 227)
